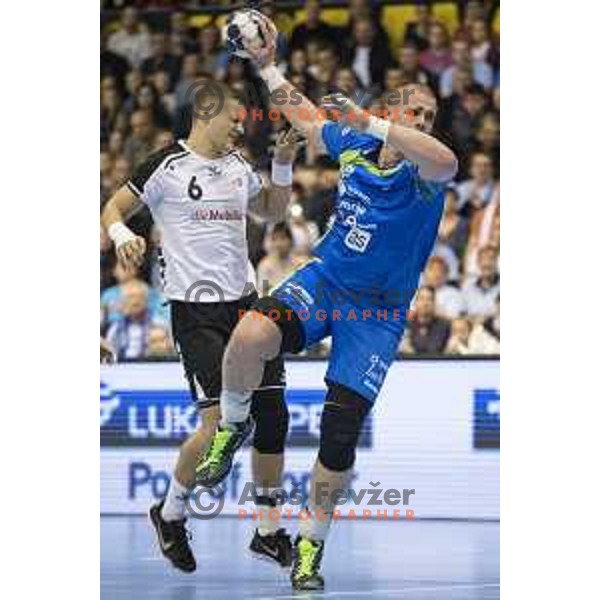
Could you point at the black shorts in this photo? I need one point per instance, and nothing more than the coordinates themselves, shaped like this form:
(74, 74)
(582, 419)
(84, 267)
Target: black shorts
(201, 332)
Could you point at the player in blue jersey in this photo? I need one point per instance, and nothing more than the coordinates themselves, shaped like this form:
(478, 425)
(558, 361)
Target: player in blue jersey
(357, 289)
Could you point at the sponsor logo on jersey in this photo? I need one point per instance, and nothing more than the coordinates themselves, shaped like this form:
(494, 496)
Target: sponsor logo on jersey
(353, 207)
(217, 214)
(357, 239)
(346, 189)
(299, 294)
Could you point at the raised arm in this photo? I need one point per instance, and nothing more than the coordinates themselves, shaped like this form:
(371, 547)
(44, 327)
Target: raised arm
(272, 202)
(297, 108)
(130, 248)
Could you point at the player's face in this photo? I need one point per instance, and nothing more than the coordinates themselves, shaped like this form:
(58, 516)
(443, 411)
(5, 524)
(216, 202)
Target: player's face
(226, 125)
(423, 109)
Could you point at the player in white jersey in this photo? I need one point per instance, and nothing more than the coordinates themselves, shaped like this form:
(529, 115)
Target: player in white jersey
(199, 192)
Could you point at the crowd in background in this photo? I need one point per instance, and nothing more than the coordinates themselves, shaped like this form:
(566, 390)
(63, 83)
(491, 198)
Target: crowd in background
(146, 69)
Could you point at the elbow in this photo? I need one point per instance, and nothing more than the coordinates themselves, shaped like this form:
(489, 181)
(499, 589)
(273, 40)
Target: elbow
(445, 169)
(447, 165)
(450, 165)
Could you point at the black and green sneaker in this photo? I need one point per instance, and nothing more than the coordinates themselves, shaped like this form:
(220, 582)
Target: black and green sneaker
(215, 465)
(306, 565)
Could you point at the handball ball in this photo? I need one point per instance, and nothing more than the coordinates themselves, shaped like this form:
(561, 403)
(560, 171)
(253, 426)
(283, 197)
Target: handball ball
(243, 35)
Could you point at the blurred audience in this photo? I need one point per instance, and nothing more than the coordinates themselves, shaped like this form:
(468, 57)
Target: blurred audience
(129, 335)
(279, 262)
(427, 333)
(148, 61)
(480, 294)
(449, 302)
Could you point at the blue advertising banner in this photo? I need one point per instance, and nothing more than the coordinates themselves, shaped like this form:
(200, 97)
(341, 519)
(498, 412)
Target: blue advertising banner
(165, 417)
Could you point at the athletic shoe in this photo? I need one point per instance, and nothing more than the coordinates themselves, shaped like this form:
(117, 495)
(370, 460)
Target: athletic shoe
(173, 540)
(216, 463)
(306, 565)
(274, 546)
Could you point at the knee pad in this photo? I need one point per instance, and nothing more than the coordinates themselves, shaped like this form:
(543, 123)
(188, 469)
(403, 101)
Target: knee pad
(271, 417)
(343, 414)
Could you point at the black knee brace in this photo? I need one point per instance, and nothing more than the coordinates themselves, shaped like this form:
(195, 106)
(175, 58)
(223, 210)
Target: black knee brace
(271, 416)
(343, 414)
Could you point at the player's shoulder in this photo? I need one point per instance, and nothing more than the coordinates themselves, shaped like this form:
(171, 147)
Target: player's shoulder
(238, 158)
(156, 162)
(164, 157)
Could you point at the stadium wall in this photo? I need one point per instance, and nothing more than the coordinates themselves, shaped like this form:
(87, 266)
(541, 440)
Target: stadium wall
(435, 430)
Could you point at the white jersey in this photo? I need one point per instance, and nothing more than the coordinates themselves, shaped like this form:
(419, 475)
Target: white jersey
(200, 206)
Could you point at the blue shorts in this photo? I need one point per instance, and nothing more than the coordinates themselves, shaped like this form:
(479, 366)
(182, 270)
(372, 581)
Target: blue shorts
(364, 335)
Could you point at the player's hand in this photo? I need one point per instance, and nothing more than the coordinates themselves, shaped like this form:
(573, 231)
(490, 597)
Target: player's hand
(342, 109)
(287, 144)
(131, 253)
(107, 354)
(266, 56)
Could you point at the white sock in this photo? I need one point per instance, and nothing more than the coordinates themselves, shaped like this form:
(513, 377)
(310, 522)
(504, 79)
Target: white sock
(266, 525)
(235, 407)
(317, 526)
(174, 507)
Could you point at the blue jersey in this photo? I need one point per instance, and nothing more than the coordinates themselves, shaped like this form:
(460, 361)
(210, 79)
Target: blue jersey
(385, 221)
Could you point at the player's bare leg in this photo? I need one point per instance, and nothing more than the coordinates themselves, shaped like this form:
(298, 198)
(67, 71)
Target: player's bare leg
(270, 539)
(169, 515)
(344, 412)
(255, 341)
(313, 531)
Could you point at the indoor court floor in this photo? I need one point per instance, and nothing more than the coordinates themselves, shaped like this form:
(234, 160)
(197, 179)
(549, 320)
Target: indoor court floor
(420, 560)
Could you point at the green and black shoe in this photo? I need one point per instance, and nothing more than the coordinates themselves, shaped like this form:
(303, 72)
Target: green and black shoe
(216, 463)
(306, 565)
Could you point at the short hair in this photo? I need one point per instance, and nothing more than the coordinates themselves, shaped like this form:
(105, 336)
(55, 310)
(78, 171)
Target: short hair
(205, 91)
(283, 229)
(422, 88)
